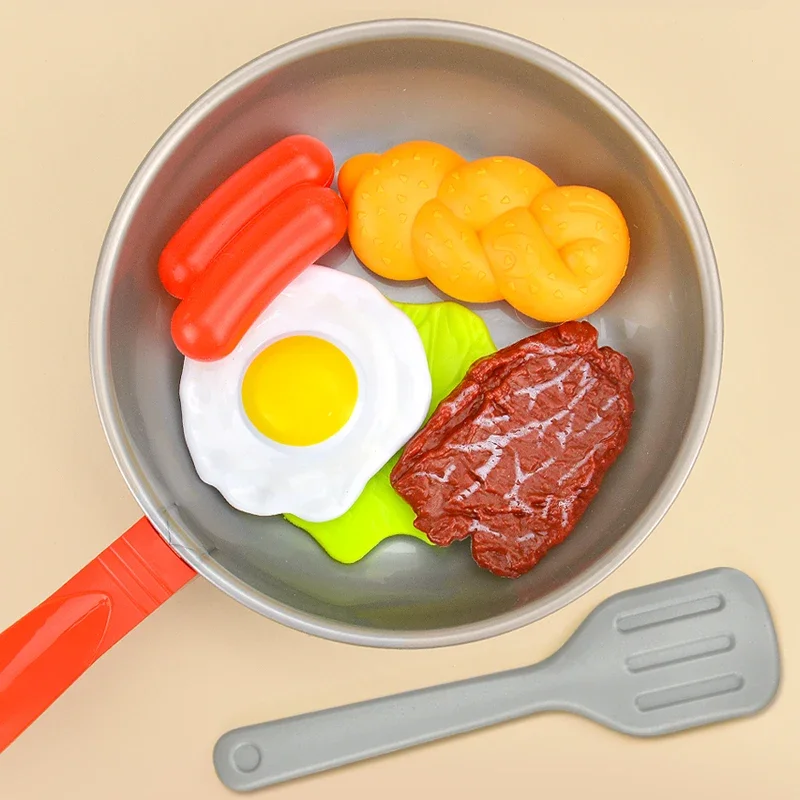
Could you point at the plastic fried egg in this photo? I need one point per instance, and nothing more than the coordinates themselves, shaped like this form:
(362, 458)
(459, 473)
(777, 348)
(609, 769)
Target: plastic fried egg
(326, 385)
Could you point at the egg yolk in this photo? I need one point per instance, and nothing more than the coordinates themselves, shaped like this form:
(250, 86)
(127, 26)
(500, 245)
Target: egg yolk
(300, 390)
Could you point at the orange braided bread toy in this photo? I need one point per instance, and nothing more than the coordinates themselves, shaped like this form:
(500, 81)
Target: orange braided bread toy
(485, 230)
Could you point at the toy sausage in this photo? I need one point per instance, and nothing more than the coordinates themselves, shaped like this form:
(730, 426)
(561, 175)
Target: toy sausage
(293, 160)
(254, 267)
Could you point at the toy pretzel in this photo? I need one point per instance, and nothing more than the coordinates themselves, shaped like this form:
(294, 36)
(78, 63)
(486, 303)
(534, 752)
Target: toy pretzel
(487, 230)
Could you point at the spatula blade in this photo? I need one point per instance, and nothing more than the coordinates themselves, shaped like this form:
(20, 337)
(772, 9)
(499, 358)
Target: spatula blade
(675, 655)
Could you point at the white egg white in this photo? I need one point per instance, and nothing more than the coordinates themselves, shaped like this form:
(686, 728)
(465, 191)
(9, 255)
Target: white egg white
(320, 482)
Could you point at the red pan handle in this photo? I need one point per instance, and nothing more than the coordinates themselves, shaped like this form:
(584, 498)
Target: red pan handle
(43, 653)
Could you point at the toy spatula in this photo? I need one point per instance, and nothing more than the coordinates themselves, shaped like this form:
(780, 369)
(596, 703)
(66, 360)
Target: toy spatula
(654, 660)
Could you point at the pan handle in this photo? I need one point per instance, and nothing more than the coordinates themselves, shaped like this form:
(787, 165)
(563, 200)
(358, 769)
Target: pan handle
(43, 653)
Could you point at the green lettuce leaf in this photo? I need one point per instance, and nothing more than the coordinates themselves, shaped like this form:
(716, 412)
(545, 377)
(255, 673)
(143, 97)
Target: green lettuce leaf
(454, 338)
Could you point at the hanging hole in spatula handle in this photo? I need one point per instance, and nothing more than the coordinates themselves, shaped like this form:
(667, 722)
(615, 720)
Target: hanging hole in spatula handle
(43, 653)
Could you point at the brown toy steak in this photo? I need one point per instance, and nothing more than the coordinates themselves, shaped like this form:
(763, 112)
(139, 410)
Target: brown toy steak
(516, 452)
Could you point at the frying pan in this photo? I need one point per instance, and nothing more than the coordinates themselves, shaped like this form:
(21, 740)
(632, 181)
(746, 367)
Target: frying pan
(362, 88)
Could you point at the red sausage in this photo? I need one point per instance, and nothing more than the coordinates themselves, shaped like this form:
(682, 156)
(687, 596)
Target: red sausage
(293, 160)
(254, 267)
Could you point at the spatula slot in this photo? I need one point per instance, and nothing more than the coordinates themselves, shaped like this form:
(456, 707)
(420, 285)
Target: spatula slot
(689, 692)
(670, 612)
(680, 653)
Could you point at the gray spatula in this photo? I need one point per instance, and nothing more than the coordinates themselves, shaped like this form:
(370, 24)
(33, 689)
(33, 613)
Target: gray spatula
(659, 659)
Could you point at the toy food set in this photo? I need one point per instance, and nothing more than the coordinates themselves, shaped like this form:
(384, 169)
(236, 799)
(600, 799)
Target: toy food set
(307, 393)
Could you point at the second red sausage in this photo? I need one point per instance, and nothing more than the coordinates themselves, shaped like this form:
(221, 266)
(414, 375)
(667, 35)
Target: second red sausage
(254, 267)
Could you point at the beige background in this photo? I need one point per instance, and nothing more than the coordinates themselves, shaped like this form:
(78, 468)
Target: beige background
(86, 87)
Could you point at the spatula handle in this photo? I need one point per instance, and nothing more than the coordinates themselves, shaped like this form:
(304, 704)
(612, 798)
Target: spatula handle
(261, 755)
